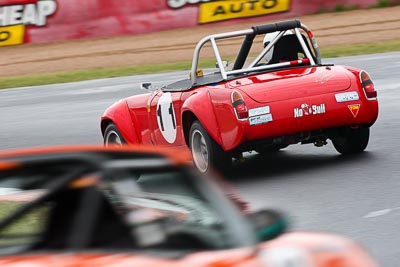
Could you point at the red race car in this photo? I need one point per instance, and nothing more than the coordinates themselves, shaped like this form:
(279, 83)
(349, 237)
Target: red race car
(275, 93)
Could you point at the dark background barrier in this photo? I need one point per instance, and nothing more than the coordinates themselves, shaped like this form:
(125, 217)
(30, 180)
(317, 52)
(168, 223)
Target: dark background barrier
(33, 21)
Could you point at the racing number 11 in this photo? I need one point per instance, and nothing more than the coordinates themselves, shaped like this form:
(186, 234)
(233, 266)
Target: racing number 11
(171, 113)
(159, 114)
(165, 115)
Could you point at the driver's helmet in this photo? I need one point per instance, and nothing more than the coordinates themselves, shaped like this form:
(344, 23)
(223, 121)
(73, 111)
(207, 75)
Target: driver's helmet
(267, 39)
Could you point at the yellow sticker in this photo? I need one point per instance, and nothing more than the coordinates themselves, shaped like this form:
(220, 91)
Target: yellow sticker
(354, 109)
(231, 9)
(12, 35)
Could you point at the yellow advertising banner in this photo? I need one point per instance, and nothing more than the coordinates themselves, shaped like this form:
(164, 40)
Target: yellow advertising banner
(231, 9)
(12, 35)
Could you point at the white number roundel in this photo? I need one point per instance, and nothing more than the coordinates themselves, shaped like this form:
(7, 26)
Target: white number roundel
(166, 117)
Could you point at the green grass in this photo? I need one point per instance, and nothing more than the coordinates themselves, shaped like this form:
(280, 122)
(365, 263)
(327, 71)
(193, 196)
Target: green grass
(384, 3)
(360, 49)
(73, 76)
(98, 73)
(342, 8)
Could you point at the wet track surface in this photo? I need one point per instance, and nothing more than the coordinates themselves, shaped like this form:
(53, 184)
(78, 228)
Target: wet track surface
(358, 196)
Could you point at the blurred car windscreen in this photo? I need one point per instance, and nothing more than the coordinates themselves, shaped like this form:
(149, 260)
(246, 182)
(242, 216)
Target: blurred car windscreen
(18, 188)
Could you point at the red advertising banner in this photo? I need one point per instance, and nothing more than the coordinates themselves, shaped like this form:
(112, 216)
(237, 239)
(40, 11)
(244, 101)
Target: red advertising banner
(18, 17)
(35, 21)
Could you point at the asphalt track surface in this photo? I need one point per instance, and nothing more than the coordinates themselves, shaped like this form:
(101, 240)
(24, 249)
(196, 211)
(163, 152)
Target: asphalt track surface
(357, 196)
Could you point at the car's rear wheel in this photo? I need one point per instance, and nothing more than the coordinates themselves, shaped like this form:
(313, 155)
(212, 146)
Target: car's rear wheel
(351, 141)
(207, 154)
(112, 136)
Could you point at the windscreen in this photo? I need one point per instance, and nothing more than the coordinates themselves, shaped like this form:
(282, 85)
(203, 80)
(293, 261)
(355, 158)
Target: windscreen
(167, 209)
(28, 197)
(164, 208)
(17, 189)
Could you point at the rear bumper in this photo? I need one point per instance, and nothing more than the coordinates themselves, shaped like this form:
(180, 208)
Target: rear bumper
(317, 115)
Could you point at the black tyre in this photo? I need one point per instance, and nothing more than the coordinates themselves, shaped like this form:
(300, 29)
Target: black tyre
(206, 152)
(112, 136)
(351, 141)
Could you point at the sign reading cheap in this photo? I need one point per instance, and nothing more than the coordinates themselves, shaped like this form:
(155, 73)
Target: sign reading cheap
(16, 16)
(220, 10)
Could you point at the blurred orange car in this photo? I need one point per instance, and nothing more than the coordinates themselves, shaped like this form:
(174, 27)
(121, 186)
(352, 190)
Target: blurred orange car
(96, 206)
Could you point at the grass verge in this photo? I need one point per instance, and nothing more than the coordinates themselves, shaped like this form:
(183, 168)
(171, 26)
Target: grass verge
(360, 49)
(81, 75)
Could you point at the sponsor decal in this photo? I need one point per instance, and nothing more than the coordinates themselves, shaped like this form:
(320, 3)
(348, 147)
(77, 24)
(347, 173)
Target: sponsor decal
(12, 35)
(259, 115)
(220, 10)
(166, 118)
(260, 119)
(344, 97)
(306, 110)
(15, 18)
(258, 111)
(175, 4)
(354, 109)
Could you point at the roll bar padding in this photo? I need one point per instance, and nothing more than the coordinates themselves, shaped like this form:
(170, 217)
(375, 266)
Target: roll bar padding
(279, 26)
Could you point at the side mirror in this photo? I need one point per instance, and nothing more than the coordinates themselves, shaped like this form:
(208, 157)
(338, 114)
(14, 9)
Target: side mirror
(146, 86)
(268, 224)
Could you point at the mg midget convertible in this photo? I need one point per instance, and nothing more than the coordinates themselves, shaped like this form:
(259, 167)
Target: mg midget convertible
(96, 206)
(273, 92)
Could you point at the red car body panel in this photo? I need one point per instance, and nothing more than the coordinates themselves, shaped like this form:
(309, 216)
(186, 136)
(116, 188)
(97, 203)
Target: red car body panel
(205, 107)
(139, 113)
(282, 91)
(119, 114)
(293, 84)
(306, 249)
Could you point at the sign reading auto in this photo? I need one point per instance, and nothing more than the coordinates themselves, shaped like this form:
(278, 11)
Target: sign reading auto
(220, 10)
(15, 17)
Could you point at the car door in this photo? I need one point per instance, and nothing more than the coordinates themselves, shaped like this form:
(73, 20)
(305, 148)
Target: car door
(165, 119)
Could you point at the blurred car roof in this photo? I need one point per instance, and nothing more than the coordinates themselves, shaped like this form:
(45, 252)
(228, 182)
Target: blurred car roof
(176, 158)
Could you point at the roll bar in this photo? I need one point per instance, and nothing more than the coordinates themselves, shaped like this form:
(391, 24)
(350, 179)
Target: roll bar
(277, 27)
(250, 34)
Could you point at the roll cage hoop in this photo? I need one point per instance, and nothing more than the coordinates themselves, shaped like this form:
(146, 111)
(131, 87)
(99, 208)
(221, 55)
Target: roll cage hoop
(250, 34)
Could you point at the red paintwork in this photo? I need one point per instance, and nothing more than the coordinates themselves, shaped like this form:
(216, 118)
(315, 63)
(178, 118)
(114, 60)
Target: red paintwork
(181, 158)
(282, 91)
(120, 115)
(322, 250)
(293, 84)
(77, 19)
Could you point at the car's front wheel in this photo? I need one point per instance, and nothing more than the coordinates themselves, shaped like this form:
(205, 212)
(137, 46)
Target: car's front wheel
(207, 154)
(351, 141)
(112, 136)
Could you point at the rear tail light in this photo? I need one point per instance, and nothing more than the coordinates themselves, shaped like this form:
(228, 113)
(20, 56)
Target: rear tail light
(239, 106)
(367, 85)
